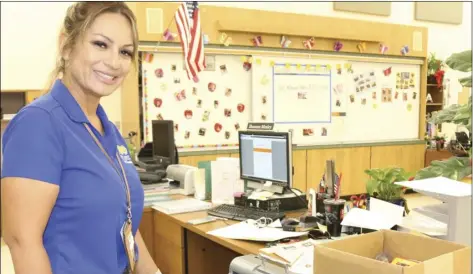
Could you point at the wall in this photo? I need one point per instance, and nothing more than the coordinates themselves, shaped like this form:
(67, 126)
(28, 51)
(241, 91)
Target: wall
(443, 39)
(29, 35)
(28, 50)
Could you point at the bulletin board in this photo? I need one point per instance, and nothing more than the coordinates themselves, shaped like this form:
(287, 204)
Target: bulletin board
(205, 114)
(336, 100)
(322, 101)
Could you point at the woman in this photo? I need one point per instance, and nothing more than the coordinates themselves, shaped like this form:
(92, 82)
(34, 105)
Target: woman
(70, 193)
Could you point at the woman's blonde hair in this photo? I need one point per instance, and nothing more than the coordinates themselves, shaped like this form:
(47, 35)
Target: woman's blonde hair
(79, 18)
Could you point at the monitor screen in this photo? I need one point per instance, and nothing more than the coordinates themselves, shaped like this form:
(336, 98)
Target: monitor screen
(266, 156)
(163, 140)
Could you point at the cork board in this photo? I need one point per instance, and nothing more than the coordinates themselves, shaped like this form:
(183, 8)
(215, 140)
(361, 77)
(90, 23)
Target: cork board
(373, 8)
(439, 12)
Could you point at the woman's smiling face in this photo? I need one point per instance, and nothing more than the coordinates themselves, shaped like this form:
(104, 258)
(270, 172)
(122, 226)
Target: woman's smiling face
(101, 59)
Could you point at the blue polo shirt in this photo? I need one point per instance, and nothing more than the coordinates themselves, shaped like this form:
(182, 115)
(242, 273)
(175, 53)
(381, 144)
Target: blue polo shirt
(47, 141)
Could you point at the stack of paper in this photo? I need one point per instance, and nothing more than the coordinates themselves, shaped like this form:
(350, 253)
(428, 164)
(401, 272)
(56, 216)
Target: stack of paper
(249, 231)
(156, 193)
(181, 206)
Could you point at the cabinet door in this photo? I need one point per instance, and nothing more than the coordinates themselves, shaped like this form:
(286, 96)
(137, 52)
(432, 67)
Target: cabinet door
(168, 247)
(147, 231)
(205, 256)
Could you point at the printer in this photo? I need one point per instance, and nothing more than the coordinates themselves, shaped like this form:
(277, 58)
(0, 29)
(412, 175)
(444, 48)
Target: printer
(181, 177)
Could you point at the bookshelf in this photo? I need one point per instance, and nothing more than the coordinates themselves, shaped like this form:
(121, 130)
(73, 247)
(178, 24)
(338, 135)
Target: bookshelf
(436, 93)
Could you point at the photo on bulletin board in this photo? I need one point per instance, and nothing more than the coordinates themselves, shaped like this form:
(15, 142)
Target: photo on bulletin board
(208, 113)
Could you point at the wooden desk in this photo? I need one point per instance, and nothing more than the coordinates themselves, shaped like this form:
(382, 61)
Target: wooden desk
(183, 248)
(178, 247)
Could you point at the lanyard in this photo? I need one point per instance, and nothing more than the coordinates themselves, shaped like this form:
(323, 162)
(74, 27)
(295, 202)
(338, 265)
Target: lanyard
(122, 175)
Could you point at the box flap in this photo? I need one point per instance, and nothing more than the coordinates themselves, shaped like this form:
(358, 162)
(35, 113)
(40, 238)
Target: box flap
(356, 244)
(409, 246)
(462, 261)
(331, 261)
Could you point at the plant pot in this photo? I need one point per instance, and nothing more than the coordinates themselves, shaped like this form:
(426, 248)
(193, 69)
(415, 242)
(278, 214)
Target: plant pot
(431, 79)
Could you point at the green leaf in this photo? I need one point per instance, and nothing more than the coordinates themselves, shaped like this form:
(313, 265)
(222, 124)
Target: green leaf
(455, 168)
(465, 81)
(460, 61)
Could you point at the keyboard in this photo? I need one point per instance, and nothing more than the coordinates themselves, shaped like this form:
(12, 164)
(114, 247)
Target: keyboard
(241, 213)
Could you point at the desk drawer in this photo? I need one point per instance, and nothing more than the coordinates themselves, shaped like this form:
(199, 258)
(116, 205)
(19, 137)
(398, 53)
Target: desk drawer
(164, 227)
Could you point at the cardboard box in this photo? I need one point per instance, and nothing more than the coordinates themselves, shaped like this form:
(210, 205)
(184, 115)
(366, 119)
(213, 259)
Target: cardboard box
(356, 255)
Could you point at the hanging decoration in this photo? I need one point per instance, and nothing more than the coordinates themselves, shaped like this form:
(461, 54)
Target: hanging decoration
(285, 42)
(405, 50)
(258, 61)
(225, 39)
(168, 35)
(383, 48)
(337, 46)
(309, 43)
(271, 63)
(361, 47)
(148, 57)
(257, 41)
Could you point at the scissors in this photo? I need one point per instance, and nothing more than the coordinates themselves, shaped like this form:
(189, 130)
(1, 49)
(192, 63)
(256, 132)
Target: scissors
(358, 201)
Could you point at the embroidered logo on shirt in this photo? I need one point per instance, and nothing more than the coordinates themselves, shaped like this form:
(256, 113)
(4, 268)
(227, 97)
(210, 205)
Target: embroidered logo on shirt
(124, 154)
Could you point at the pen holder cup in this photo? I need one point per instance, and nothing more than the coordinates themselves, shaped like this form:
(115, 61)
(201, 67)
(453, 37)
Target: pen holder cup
(334, 212)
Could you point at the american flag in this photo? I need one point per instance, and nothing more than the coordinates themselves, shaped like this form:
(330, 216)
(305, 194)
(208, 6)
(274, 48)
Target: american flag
(188, 25)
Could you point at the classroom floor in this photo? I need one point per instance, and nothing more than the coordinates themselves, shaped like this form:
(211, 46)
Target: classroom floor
(414, 200)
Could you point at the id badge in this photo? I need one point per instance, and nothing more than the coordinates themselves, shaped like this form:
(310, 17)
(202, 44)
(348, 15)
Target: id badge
(129, 243)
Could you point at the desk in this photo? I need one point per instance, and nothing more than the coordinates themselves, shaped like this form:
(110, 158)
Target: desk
(435, 155)
(178, 247)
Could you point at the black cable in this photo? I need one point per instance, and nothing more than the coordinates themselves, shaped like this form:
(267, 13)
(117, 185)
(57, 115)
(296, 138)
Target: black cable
(300, 198)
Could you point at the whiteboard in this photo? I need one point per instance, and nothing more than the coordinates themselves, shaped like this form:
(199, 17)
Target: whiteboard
(304, 89)
(367, 101)
(205, 114)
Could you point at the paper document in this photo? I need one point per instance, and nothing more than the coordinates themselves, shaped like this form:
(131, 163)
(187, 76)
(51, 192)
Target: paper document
(388, 210)
(367, 219)
(199, 184)
(299, 255)
(423, 224)
(181, 206)
(260, 195)
(439, 185)
(225, 173)
(249, 231)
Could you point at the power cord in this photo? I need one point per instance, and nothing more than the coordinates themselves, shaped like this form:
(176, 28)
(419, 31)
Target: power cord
(304, 203)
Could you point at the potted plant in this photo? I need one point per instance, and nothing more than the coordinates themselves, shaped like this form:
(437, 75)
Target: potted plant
(434, 70)
(455, 168)
(439, 142)
(381, 185)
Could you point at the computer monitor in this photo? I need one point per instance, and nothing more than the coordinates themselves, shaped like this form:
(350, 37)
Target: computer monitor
(266, 156)
(163, 140)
